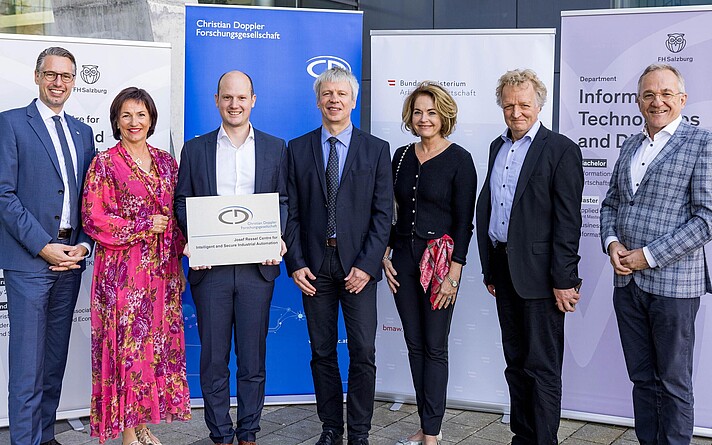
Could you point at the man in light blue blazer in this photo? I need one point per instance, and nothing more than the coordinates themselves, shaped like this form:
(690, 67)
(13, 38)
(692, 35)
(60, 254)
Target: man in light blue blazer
(44, 156)
(235, 159)
(655, 220)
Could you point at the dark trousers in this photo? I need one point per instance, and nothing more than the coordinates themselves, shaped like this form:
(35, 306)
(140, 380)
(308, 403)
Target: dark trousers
(233, 300)
(533, 343)
(658, 338)
(359, 310)
(40, 308)
(426, 335)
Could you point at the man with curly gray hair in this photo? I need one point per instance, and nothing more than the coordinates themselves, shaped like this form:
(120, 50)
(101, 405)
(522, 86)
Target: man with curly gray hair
(528, 229)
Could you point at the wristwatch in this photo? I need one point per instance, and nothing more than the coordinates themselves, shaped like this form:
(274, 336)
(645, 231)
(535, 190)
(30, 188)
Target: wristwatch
(453, 283)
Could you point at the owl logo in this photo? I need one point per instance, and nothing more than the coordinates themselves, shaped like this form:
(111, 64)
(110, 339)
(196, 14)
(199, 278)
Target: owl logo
(90, 73)
(675, 42)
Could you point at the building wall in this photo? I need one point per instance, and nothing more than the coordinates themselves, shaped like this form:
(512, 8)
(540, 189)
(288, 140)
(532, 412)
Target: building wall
(164, 21)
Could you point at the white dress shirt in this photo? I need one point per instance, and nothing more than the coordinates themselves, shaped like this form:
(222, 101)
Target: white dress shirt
(235, 166)
(47, 116)
(649, 149)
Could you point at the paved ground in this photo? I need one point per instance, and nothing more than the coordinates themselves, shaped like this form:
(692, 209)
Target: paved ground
(299, 425)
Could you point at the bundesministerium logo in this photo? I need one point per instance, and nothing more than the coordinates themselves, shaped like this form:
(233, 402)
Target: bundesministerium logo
(319, 64)
(234, 215)
(90, 73)
(676, 42)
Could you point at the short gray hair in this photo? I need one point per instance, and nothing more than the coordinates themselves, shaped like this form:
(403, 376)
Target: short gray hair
(337, 74)
(55, 51)
(661, 67)
(518, 77)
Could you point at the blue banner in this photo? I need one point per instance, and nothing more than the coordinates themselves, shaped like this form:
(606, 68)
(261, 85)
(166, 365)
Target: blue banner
(282, 50)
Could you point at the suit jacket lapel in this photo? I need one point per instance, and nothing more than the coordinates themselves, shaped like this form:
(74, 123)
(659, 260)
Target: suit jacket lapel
(319, 159)
(37, 124)
(79, 149)
(352, 153)
(492, 156)
(672, 145)
(260, 162)
(211, 148)
(626, 157)
(535, 149)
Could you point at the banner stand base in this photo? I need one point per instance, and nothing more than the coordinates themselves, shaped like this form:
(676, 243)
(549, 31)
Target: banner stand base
(396, 406)
(76, 424)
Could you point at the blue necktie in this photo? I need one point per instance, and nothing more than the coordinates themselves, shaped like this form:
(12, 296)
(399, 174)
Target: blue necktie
(71, 175)
(332, 187)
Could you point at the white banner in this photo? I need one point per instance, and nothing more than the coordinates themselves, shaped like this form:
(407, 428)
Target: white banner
(468, 63)
(603, 53)
(104, 67)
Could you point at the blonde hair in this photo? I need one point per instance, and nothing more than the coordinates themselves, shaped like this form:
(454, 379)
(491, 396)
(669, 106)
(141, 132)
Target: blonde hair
(445, 106)
(518, 77)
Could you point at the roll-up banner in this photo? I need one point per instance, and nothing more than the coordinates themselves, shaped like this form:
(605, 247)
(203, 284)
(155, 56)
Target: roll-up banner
(603, 53)
(283, 50)
(104, 67)
(468, 63)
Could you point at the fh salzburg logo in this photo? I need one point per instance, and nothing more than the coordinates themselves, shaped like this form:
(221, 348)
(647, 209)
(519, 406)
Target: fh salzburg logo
(90, 73)
(319, 64)
(675, 42)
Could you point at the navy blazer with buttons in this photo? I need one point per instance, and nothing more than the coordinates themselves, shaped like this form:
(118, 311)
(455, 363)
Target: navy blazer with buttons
(545, 222)
(364, 204)
(31, 186)
(197, 176)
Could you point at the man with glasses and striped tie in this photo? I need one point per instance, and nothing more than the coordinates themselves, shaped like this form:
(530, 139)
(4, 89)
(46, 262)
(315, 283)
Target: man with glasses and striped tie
(45, 154)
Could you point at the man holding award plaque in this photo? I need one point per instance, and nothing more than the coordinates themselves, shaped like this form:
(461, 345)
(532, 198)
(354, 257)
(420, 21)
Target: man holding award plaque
(237, 164)
(340, 207)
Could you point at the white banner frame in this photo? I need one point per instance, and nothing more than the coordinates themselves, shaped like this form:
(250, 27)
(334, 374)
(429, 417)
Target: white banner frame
(18, 57)
(476, 366)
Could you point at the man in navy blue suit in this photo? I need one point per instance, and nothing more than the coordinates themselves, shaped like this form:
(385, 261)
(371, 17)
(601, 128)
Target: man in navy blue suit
(340, 192)
(235, 159)
(45, 154)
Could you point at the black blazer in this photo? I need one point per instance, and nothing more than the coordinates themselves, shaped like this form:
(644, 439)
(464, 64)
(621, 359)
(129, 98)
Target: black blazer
(364, 204)
(197, 177)
(545, 223)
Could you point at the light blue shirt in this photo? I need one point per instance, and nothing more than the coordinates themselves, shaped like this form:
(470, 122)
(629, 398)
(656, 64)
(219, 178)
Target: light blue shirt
(342, 147)
(503, 181)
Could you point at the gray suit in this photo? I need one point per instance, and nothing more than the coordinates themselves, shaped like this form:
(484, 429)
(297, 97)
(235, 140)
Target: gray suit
(671, 214)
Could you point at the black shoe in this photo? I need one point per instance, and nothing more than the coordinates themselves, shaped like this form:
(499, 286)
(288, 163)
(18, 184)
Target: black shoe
(51, 442)
(330, 438)
(359, 441)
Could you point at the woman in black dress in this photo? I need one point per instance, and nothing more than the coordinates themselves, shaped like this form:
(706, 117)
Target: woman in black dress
(435, 186)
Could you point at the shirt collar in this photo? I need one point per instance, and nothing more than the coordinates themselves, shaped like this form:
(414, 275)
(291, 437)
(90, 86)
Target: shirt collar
(670, 128)
(530, 134)
(46, 112)
(344, 137)
(223, 134)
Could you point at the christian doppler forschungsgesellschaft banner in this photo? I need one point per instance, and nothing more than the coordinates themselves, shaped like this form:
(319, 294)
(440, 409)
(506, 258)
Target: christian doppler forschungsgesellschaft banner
(283, 50)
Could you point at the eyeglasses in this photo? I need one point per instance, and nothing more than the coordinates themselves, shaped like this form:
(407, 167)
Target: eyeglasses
(51, 76)
(665, 97)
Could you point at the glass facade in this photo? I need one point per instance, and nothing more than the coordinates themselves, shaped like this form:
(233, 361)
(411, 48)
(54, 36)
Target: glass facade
(25, 16)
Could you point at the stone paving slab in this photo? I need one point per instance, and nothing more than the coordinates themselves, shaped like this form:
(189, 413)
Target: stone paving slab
(300, 425)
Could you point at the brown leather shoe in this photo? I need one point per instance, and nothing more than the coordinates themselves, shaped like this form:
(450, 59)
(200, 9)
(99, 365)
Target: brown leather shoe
(244, 442)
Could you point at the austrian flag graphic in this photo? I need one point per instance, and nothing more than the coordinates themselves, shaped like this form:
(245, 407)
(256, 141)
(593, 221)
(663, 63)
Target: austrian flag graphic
(391, 82)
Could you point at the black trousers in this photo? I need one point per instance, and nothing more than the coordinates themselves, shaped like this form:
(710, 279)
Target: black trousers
(233, 300)
(658, 338)
(426, 334)
(533, 343)
(359, 310)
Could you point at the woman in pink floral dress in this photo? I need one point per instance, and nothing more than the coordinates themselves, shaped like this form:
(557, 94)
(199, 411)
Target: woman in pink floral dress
(138, 348)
